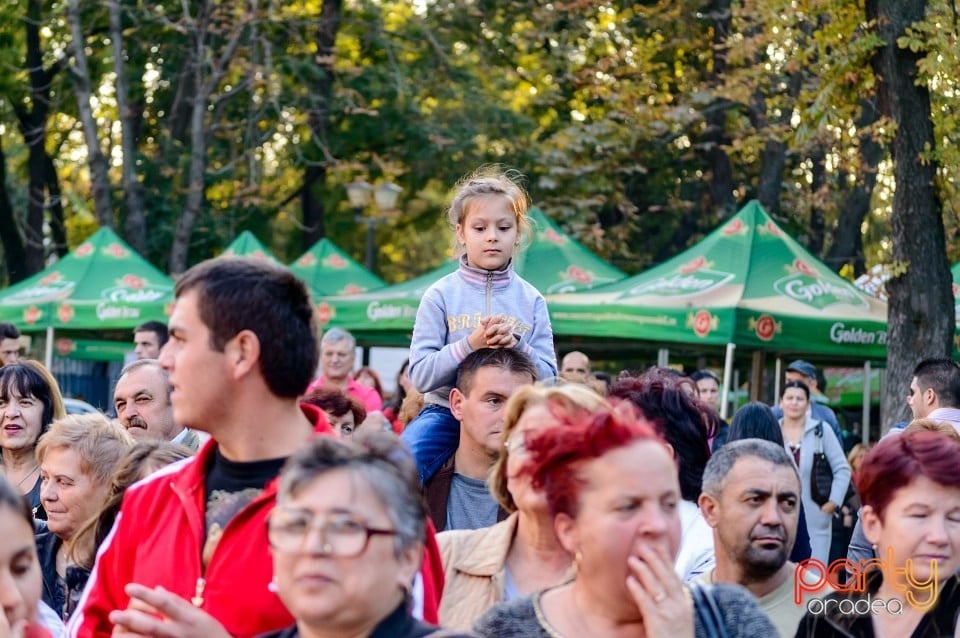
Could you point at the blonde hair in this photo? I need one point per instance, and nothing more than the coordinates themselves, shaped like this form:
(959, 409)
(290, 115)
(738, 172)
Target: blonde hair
(141, 460)
(492, 180)
(569, 400)
(932, 425)
(99, 442)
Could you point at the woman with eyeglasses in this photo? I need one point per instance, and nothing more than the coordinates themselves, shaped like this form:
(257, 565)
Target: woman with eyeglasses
(347, 537)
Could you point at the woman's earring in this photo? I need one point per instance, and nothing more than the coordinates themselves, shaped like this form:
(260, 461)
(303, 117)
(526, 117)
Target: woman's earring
(272, 586)
(577, 557)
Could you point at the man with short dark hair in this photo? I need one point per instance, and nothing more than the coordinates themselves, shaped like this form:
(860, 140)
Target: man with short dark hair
(751, 499)
(457, 495)
(806, 372)
(189, 548)
(142, 400)
(934, 394)
(148, 338)
(9, 344)
(935, 391)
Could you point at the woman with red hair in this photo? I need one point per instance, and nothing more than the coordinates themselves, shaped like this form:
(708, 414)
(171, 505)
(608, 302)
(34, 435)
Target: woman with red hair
(611, 486)
(910, 490)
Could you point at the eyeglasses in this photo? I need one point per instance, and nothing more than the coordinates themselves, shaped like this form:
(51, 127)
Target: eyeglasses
(340, 535)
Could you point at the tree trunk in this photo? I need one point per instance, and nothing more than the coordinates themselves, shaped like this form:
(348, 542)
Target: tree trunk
(204, 89)
(135, 223)
(847, 246)
(920, 316)
(80, 71)
(315, 175)
(817, 187)
(58, 230)
(716, 139)
(196, 182)
(14, 254)
(33, 127)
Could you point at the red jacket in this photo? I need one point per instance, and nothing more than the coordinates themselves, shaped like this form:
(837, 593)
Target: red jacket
(158, 538)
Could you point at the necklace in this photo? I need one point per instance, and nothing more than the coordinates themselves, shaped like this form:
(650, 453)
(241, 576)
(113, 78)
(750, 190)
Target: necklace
(29, 474)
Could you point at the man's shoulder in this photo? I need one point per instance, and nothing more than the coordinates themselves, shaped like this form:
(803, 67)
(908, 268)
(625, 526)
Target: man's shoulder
(824, 412)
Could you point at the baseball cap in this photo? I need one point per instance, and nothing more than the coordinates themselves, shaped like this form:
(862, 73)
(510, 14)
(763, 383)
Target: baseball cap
(805, 368)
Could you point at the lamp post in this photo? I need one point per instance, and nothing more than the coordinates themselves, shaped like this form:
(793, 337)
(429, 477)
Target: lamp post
(384, 196)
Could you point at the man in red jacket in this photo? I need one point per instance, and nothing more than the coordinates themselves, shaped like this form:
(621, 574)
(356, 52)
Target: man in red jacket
(188, 555)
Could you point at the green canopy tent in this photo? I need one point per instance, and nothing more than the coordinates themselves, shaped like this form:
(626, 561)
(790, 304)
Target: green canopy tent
(247, 245)
(327, 270)
(554, 262)
(747, 284)
(102, 284)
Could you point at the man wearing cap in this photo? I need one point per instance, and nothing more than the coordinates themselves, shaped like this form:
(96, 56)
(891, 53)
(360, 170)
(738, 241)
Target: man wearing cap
(806, 372)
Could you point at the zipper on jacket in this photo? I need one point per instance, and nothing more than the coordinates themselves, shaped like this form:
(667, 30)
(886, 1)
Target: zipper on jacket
(489, 293)
(197, 599)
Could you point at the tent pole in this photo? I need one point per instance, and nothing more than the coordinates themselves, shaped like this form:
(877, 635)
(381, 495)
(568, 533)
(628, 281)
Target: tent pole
(777, 367)
(727, 373)
(48, 349)
(663, 358)
(866, 403)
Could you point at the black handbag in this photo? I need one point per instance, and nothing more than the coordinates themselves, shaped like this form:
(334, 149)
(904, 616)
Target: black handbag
(707, 612)
(821, 474)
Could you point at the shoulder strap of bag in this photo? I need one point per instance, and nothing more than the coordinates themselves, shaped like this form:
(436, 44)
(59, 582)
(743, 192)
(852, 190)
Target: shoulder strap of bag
(706, 608)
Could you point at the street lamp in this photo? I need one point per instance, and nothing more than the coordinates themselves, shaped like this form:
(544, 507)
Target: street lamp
(384, 196)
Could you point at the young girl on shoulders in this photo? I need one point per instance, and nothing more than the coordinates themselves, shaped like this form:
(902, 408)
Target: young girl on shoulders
(483, 304)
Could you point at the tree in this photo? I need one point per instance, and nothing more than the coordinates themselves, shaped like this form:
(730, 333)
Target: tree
(920, 319)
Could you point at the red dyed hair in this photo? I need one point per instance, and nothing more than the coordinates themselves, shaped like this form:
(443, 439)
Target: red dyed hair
(897, 460)
(557, 452)
(337, 403)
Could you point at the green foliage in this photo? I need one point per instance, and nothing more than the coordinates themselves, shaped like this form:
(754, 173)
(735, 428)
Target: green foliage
(616, 113)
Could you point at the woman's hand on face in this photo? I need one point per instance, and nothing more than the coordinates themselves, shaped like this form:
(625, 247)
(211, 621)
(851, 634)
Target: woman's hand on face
(659, 594)
(158, 613)
(18, 630)
(828, 508)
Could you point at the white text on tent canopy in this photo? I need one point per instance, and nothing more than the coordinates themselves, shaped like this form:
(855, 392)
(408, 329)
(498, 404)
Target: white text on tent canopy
(41, 293)
(377, 311)
(121, 302)
(840, 333)
(817, 292)
(682, 285)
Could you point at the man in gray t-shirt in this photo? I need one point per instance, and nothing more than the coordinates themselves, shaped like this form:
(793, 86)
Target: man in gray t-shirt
(457, 495)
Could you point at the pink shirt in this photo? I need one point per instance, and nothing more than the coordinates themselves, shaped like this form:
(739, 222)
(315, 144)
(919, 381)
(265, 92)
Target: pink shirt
(365, 395)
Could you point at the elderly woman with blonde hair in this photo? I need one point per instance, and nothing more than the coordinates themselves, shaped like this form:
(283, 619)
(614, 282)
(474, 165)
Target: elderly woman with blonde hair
(521, 554)
(77, 457)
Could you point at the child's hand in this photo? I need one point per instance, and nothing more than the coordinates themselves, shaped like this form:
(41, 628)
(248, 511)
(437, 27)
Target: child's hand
(478, 338)
(498, 333)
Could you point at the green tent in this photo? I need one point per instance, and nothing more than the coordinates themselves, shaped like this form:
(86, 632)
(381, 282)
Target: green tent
(748, 283)
(554, 262)
(247, 245)
(102, 284)
(327, 270)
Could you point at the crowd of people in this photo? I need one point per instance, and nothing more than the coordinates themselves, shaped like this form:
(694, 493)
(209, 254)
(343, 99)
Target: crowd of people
(237, 492)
